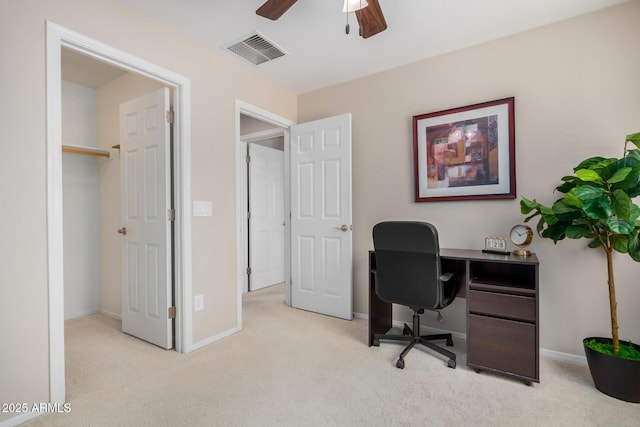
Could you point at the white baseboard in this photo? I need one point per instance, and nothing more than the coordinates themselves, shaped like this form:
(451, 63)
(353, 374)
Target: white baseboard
(111, 314)
(80, 314)
(565, 357)
(213, 339)
(22, 418)
(550, 354)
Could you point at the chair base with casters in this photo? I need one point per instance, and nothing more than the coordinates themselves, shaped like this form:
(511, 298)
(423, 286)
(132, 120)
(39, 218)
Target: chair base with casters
(413, 337)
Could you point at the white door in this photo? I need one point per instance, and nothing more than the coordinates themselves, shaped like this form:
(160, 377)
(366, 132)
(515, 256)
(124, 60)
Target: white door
(266, 221)
(321, 239)
(145, 192)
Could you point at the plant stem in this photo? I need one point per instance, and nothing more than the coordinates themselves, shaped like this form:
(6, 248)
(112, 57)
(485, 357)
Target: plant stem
(613, 305)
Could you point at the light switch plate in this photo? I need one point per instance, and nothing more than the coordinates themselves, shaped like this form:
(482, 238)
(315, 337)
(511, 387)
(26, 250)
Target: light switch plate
(202, 208)
(198, 302)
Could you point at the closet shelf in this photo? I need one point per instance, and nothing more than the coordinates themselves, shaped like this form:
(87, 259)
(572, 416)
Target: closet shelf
(86, 151)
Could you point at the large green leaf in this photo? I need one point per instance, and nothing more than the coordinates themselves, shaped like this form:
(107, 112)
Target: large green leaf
(621, 244)
(619, 175)
(595, 243)
(633, 191)
(588, 175)
(565, 187)
(598, 208)
(548, 215)
(577, 231)
(561, 207)
(556, 231)
(633, 245)
(540, 226)
(621, 204)
(527, 205)
(633, 154)
(572, 200)
(593, 163)
(634, 138)
(624, 173)
(619, 226)
(588, 192)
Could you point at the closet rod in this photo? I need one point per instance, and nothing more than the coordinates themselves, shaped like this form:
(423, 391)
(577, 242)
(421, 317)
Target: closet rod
(76, 149)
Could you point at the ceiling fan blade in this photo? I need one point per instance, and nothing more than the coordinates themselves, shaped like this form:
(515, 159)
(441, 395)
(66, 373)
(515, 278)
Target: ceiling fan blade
(274, 9)
(371, 19)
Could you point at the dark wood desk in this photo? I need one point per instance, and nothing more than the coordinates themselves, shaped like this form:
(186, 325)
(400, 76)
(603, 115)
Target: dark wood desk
(502, 310)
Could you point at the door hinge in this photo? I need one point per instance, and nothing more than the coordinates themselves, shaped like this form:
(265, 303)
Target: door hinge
(170, 116)
(249, 215)
(248, 271)
(248, 158)
(171, 214)
(172, 312)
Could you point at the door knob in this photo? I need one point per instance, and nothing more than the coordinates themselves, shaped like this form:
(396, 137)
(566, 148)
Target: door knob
(342, 228)
(123, 231)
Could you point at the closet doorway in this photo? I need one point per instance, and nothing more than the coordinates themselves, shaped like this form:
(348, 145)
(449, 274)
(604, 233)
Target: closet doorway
(96, 212)
(59, 38)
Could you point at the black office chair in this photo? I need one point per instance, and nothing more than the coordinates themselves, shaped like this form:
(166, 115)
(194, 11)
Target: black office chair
(408, 272)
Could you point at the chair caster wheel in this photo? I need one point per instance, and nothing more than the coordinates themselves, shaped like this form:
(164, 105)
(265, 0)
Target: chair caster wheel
(449, 342)
(477, 370)
(400, 364)
(406, 330)
(376, 342)
(451, 363)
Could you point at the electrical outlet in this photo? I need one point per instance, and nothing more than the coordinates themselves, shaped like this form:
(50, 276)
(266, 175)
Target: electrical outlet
(198, 302)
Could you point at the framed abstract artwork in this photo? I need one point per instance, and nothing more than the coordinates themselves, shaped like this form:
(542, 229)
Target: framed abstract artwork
(465, 153)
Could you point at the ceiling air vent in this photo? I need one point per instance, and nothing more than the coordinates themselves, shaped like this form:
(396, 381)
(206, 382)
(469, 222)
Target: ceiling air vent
(256, 49)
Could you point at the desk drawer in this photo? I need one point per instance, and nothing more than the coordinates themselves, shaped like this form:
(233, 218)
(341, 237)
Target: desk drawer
(502, 305)
(504, 345)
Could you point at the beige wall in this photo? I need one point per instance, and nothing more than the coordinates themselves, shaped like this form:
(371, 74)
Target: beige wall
(216, 82)
(576, 92)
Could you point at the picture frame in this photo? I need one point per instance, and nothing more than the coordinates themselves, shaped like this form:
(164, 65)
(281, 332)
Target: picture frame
(465, 153)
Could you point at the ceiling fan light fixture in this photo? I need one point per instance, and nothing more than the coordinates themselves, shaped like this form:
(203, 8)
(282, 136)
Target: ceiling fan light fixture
(353, 5)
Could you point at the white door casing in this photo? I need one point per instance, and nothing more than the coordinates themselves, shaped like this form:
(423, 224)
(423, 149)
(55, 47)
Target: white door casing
(57, 37)
(146, 241)
(321, 215)
(266, 222)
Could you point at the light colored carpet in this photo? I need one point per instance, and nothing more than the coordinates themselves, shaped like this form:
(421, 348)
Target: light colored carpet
(294, 368)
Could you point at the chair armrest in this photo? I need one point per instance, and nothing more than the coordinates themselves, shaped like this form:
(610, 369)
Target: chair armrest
(446, 277)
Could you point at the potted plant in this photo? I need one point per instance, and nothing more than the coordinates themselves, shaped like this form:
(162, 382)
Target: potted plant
(597, 205)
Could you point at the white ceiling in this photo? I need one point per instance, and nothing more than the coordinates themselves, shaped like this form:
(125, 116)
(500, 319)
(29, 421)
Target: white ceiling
(321, 54)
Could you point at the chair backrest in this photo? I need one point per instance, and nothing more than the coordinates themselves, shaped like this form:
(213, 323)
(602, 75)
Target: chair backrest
(408, 268)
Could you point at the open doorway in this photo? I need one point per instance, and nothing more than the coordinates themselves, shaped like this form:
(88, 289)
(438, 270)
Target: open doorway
(265, 221)
(254, 124)
(318, 241)
(92, 92)
(95, 307)
(57, 39)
